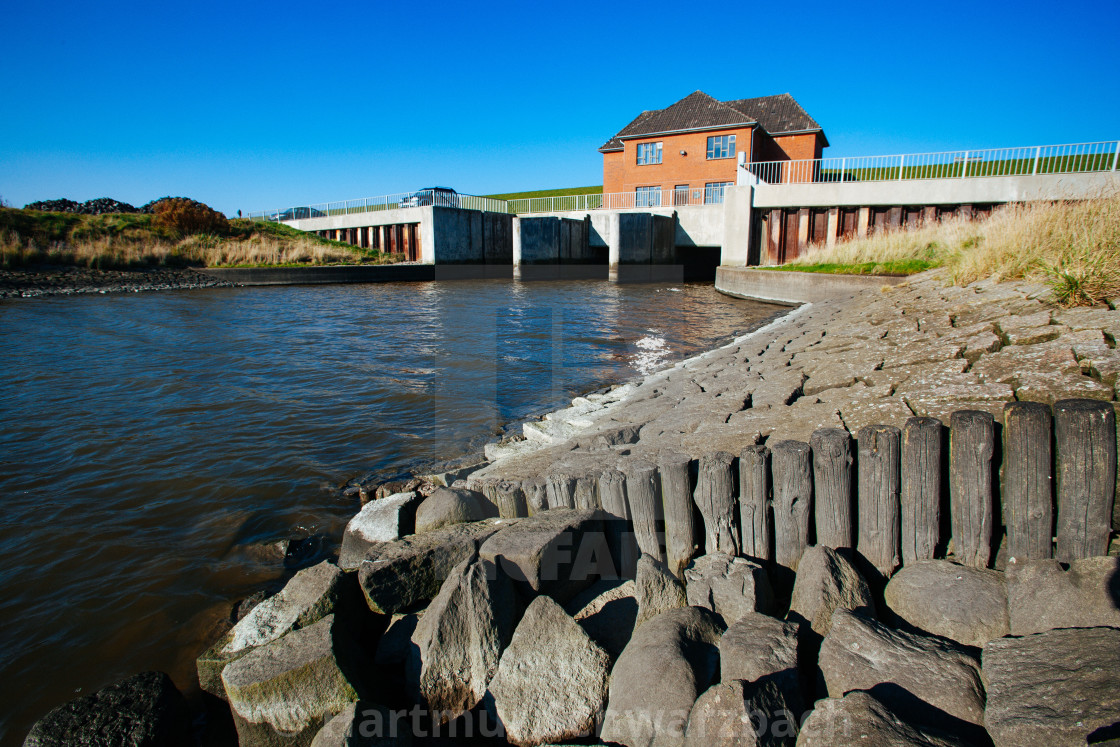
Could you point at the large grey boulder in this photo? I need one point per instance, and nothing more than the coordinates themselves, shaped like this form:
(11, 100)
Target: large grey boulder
(736, 713)
(551, 683)
(448, 506)
(383, 520)
(760, 648)
(669, 661)
(1054, 688)
(607, 611)
(859, 720)
(729, 586)
(826, 581)
(284, 692)
(656, 589)
(397, 576)
(365, 724)
(956, 601)
(911, 673)
(308, 597)
(559, 552)
(1041, 595)
(145, 710)
(459, 641)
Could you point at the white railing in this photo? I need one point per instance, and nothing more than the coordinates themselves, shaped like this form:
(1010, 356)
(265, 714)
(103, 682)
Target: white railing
(960, 164)
(402, 200)
(657, 198)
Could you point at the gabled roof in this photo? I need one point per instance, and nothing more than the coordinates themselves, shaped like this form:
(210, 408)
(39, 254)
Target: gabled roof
(699, 111)
(777, 114)
(695, 111)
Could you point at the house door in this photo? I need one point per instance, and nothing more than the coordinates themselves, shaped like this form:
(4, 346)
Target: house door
(680, 194)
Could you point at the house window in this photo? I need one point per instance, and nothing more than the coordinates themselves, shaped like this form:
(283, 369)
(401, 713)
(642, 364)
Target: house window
(721, 146)
(713, 191)
(649, 153)
(647, 196)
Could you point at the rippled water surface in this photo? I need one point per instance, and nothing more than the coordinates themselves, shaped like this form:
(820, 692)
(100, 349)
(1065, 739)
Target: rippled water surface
(148, 441)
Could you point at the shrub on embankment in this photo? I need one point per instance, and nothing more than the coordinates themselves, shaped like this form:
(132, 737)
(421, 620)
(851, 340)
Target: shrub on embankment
(175, 232)
(1072, 246)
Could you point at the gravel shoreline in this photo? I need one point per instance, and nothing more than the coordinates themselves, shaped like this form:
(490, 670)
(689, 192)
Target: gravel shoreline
(54, 280)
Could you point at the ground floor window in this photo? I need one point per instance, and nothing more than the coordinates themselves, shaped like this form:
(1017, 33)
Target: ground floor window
(647, 196)
(713, 192)
(680, 194)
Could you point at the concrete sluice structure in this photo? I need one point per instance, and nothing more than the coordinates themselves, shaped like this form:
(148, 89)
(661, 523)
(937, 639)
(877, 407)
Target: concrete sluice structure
(755, 224)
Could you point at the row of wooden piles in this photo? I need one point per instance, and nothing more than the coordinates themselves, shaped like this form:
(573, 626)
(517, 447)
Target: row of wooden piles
(885, 496)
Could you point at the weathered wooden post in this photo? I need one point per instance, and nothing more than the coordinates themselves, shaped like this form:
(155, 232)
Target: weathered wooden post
(790, 465)
(716, 500)
(754, 502)
(1085, 433)
(644, 498)
(620, 532)
(510, 499)
(1026, 490)
(921, 488)
(676, 499)
(586, 494)
(971, 445)
(536, 495)
(832, 486)
(560, 488)
(879, 478)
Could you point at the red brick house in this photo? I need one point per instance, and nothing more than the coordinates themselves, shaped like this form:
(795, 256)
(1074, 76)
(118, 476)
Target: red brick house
(696, 143)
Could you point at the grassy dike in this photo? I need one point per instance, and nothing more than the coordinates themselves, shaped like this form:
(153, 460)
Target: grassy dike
(1074, 247)
(132, 240)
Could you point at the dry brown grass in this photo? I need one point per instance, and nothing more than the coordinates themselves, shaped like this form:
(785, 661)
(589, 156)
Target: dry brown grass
(36, 239)
(1073, 246)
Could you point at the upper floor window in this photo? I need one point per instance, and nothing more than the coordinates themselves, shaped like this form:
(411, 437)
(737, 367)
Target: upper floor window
(713, 191)
(647, 196)
(649, 153)
(721, 146)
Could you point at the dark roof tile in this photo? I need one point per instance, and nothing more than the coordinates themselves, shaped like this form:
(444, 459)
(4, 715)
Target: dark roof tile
(776, 114)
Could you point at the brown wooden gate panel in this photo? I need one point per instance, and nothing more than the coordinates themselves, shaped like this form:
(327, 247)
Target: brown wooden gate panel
(818, 227)
(789, 235)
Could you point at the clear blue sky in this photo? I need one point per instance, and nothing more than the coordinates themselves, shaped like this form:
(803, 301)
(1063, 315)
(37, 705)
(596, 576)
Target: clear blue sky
(260, 105)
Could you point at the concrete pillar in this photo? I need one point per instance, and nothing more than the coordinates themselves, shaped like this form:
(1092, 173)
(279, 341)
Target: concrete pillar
(833, 226)
(965, 212)
(864, 219)
(428, 235)
(802, 231)
(737, 217)
(516, 243)
(929, 214)
(614, 247)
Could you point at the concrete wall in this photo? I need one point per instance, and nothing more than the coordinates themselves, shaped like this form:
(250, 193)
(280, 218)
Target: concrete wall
(793, 288)
(973, 190)
(470, 237)
(553, 240)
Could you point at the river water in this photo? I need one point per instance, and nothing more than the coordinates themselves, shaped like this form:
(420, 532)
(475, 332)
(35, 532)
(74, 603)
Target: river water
(149, 441)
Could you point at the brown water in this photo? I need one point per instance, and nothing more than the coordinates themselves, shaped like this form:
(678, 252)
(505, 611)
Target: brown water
(147, 441)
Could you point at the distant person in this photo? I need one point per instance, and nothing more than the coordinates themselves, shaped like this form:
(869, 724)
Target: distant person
(238, 213)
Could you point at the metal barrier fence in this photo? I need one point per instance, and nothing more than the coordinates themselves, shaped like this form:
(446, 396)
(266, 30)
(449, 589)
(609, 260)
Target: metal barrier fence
(958, 164)
(640, 198)
(1037, 159)
(401, 200)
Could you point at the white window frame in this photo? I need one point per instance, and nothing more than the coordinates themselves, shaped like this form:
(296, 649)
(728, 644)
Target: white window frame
(720, 147)
(649, 154)
(714, 192)
(647, 196)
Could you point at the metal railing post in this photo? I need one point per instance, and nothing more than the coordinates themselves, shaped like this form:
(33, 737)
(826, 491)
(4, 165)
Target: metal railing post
(1116, 155)
(1037, 155)
(964, 165)
(901, 166)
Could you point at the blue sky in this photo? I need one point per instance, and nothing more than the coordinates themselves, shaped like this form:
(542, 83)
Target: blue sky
(260, 105)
